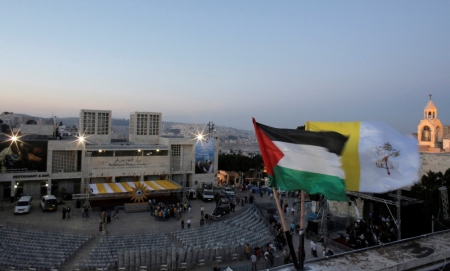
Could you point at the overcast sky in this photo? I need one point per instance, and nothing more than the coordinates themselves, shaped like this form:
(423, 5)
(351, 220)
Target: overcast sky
(282, 62)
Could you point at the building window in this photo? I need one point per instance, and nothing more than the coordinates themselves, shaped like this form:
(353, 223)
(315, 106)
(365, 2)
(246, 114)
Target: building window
(128, 153)
(154, 125)
(132, 121)
(102, 153)
(88, 123)
(176, 150)
(103, 124)
(175, 159)
(64, 161)
(142, 124)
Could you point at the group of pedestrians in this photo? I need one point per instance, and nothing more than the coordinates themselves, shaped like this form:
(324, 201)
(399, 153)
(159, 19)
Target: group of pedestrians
(163, 212)
(258, 253)
(66, 213)
(106, 216)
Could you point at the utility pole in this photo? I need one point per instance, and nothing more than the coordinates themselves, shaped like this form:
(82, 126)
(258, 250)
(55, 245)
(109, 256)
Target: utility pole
(86, 179)
(399, 214)
(211, 129)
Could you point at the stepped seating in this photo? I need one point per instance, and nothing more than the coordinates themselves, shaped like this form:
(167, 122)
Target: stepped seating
(33, 249)
(127, 250)
(246, 227)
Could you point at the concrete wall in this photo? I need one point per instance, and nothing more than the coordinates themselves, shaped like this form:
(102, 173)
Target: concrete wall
(342, 208)
(433, 161)
(446, 145)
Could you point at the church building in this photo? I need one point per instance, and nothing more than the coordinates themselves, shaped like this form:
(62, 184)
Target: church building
(432, 136)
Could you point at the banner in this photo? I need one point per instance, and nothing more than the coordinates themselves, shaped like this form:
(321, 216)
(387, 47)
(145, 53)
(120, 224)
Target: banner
(23, 156)
(204, 156)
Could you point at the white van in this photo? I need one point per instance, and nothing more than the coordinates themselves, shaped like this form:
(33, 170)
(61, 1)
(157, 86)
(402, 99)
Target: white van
(23, 205)
(49, 202)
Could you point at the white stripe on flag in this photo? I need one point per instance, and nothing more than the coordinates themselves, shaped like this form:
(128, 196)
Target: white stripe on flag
(310, 159)
(374, 179)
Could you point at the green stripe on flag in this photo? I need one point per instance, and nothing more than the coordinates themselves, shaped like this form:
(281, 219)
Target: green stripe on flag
(332, 187)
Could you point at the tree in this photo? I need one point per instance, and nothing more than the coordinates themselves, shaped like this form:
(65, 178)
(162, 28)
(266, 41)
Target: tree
(427, 190)
(237, 162)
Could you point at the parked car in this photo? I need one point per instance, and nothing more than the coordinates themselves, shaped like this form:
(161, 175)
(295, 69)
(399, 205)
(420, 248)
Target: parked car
(228, 191)
(49, 202)
(220, 211)
(224, 199)
(23, 205)
(282, 193)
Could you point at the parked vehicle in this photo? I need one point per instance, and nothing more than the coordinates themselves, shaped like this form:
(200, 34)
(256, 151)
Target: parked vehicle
(220, 211)
(205, 191)
(228, 191)
(224, 199)
(282, 192)
(23, 205)
(49, 202)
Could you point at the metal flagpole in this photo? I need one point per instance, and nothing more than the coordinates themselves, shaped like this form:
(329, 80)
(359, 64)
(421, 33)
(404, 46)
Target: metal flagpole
(285, 228)
(301, 243)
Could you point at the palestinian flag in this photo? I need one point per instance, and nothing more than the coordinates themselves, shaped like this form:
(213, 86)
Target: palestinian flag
(303, 160)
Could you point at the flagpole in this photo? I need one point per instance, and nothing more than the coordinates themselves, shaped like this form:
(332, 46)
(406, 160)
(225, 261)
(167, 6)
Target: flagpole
(286, 230)
(301, 243)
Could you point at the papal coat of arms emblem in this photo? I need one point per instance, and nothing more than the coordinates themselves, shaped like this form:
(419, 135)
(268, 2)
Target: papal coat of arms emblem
(385, 152)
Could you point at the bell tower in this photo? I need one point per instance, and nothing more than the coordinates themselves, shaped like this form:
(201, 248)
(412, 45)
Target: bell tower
(429, 130)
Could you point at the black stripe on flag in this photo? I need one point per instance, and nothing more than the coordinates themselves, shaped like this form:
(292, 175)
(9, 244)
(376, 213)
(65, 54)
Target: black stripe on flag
(334, 142)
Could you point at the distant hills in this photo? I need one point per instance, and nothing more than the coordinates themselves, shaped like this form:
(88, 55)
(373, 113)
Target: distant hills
(230, 139)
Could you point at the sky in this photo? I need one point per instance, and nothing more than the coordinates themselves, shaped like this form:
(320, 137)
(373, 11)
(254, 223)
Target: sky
(282, 62)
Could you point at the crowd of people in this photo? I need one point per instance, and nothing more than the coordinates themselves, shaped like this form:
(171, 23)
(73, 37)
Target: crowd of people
(371, 231)
(163, 212)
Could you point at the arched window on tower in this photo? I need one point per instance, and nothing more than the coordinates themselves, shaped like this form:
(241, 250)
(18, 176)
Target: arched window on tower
(429, 115)
(426, 134)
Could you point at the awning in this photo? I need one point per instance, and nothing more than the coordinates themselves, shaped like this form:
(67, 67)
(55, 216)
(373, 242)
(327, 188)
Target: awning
(127, 188)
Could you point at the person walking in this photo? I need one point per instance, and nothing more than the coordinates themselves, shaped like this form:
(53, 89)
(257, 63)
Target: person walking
(189, 223)
(104, 216)
(100, 227)
(182, 224)
(202, 210)
(85, 212)
(116, 211)
(269, 257)
(108, 216)
(68, 212)
(247, 251)
(313, 249)
(64, 213)
(254, 262)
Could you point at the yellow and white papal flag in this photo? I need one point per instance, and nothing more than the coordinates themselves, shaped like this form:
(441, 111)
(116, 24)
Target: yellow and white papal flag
(376, 158)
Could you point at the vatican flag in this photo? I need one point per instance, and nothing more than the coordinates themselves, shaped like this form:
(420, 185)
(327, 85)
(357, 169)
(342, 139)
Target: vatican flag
(376, 158)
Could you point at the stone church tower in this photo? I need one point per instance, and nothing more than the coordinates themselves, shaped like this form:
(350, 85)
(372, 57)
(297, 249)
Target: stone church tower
(430, 130)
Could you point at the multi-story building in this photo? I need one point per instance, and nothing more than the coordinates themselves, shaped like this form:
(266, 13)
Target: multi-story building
(37, 162)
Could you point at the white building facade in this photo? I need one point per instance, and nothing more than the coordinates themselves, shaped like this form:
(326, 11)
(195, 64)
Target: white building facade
(42, 164)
